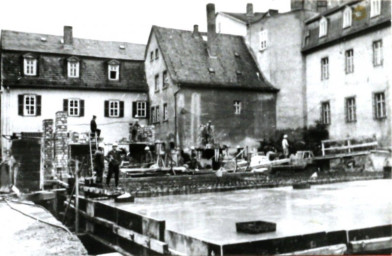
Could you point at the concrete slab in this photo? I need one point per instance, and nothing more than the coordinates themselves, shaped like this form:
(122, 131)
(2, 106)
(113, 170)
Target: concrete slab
(211, 217)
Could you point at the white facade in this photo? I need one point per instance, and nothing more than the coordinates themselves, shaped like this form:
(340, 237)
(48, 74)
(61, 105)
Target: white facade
(365, 80)
(229, 25)
(112, 129)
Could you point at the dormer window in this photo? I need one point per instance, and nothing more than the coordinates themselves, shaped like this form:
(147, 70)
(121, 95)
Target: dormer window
(375, 8)
(29, 65)
(73, 67)
(347, 17)
(323, 27)
(113, 70)
(263, 39)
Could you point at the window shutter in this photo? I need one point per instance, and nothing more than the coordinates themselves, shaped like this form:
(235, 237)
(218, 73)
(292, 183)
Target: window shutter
(106, 108)
(346, 109)
(20, 104)
(38, 113)
(147, 111)
(81, 102)
(65, 105)
(134, 106)
(374, 106)
(121, 108)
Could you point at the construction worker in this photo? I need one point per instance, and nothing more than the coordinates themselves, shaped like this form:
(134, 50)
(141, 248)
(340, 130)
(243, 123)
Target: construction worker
(285, 146)
(99, 163)
(114, 159)
(93, 127)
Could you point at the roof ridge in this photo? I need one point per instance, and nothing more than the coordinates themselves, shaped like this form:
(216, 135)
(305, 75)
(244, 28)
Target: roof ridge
(60, 36)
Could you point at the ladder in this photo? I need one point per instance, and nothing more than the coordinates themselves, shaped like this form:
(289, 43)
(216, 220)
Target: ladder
(93, 136)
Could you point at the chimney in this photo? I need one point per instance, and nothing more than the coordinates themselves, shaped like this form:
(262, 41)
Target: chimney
(211, 30)
(68, 39)
(249, 10)
(196, 33)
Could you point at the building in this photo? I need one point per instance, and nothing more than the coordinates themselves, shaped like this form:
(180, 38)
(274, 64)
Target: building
(347, 51)
(237, 23)
(43, 74)
(195, 77)
(276, 42)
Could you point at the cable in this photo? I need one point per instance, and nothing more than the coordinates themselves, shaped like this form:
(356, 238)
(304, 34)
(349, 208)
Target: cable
(38, 219)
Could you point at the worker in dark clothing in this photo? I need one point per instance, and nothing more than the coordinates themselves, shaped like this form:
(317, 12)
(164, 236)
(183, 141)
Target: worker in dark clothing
(93, 127)
(99, 164)
(135, 130)
(114, 159)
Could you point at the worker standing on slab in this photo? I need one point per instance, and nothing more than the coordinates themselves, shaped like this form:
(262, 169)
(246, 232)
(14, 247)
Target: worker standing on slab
(114, 159)
(99, 163)
(285, 146)
(93, 127)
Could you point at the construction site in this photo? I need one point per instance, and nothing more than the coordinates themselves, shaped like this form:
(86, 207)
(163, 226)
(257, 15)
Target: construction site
(214, 201)
(256, 137)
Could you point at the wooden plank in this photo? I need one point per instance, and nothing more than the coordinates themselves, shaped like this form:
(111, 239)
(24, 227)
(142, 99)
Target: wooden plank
(370, 144)
(110, 245)
(145, 241)
(152, 244)
(338, 249)
(369, 245)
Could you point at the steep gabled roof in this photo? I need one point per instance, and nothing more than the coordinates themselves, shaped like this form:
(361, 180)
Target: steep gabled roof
(32, 42)
(189, 63)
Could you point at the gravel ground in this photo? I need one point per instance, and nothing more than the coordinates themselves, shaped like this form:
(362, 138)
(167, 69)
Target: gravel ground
(22, 235)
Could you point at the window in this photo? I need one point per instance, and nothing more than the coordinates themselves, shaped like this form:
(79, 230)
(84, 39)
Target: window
(73, 67)
(237, 107)
(375, 8)
(263, 39)
(379, 106)
(325, 113)
(157, 112)
(156, 54)
(30, 65)
(29, 108)
(29, 105)
(156, 83)
(141, 109)
(347, 17)
(114, 108)
(151, 55)
(165, 112)
(349, 61)
(322, 5)
(165, 79)
(114, 70)
(377, 53)
(350, 110)
(324, 68)
(73, 107)
(323, 27)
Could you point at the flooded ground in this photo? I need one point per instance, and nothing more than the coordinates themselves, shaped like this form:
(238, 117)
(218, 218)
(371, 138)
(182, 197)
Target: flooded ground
(212, 216)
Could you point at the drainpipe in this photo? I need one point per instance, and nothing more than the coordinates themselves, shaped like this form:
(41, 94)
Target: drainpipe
(175, 115)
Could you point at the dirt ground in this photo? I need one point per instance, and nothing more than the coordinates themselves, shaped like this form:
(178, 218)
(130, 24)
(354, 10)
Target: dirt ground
(22, 235)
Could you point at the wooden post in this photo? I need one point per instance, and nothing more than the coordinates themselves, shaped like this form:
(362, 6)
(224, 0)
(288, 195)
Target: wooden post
(76, 196)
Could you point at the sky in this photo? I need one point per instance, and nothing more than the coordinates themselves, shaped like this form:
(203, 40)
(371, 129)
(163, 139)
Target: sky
(117, 20)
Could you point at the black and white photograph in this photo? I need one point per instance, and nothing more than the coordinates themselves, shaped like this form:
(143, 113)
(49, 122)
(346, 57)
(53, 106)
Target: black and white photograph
(195, 127)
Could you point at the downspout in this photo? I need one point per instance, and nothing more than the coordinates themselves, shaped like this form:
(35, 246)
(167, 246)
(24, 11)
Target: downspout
(175, 115)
